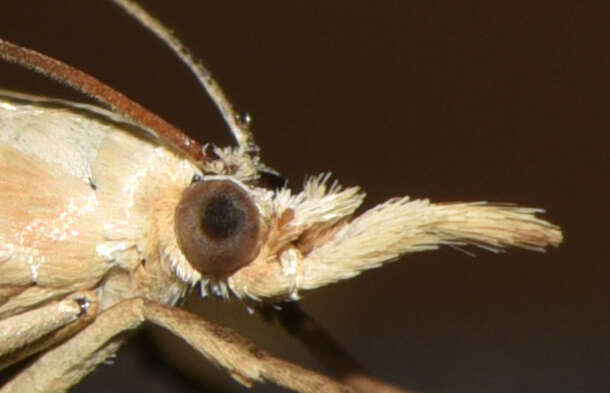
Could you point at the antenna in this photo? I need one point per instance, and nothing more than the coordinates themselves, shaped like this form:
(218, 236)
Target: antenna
(96, 89)
(239, 127)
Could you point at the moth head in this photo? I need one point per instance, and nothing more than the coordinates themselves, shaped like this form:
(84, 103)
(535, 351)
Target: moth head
(222, 219)
(238, 224)
(251, 236)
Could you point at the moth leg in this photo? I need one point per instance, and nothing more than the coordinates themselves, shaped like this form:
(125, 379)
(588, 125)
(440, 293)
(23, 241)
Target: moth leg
(31, 331)
(58, 335)
(241, 358)
(62, 367)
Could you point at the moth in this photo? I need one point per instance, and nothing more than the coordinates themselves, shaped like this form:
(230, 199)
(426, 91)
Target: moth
(110, 217)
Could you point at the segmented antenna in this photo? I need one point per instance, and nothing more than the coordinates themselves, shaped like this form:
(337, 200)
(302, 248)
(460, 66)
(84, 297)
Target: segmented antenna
(101, 92)
(239, 127)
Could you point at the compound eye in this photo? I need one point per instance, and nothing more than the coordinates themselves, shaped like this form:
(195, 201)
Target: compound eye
(218, 226)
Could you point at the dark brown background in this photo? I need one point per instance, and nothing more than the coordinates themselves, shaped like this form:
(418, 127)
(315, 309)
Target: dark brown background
(447, 100)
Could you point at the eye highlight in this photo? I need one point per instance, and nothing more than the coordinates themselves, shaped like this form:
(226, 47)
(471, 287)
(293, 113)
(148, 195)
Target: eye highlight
(218, 226)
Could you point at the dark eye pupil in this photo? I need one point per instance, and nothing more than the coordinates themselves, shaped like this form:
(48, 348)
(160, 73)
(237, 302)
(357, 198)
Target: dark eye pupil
(222, 217)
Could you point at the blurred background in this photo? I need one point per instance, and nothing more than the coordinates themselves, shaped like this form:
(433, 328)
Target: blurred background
(442, 100)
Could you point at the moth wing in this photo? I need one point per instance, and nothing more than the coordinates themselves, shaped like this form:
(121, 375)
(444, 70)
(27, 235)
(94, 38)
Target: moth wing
(48, 225)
